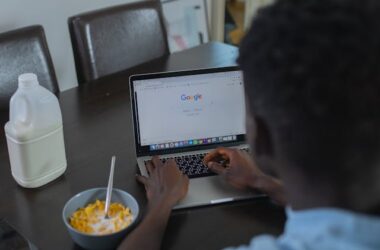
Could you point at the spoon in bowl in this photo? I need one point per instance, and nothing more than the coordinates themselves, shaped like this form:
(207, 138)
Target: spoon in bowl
(109, 187)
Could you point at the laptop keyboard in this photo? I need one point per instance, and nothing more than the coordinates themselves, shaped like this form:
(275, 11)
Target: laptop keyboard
(192, 165)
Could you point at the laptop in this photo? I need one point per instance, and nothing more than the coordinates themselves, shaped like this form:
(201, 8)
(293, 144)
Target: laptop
(184, 115)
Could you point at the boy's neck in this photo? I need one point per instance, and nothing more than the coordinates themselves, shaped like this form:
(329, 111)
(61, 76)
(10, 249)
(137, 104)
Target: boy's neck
(307, 197)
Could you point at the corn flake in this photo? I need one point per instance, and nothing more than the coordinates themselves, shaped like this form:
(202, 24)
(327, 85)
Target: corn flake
(91, 219)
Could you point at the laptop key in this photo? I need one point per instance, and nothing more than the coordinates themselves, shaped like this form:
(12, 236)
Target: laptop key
(192, 165)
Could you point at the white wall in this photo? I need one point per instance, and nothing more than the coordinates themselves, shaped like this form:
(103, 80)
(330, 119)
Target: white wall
(52, 14)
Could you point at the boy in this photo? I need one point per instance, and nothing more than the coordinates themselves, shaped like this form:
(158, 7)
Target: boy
(312, 79)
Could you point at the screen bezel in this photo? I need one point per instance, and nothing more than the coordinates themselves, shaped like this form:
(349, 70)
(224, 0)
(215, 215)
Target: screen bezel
(145, 150)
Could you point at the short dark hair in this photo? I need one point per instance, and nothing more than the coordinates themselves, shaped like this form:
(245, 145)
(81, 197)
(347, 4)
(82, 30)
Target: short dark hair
(312, 74)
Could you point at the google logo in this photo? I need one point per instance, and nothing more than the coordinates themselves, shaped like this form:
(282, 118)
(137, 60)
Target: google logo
(196, 97)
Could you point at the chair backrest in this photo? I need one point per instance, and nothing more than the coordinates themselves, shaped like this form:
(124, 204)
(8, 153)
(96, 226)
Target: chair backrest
(117, 38)
(24, 50)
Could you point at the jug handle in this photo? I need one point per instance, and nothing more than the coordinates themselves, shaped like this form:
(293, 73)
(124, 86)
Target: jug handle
(26, 119)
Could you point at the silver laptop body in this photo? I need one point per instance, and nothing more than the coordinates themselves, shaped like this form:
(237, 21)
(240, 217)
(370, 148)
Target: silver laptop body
(184, 115)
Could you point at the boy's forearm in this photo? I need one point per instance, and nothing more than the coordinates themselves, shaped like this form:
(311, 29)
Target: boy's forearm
(148, 234)
(272, 187)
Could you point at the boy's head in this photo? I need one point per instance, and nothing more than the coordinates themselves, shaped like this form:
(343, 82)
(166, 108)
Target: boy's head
(312, 77)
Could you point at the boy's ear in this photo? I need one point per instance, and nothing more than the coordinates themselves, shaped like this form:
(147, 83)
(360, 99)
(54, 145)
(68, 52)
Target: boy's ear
(260, 139)
(263, 142)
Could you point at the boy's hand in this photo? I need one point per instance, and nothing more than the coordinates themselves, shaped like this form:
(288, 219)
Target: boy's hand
(236, 166)
(240, 170)
(166, 184)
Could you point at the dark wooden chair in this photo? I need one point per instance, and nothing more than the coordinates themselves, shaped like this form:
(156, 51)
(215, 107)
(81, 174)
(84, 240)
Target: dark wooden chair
(24, 50)
(117, 38)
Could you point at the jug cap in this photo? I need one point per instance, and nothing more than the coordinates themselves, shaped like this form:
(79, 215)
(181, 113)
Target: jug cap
(27, 80)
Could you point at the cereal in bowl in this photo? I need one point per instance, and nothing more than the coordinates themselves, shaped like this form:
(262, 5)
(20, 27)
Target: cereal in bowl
(91, 219)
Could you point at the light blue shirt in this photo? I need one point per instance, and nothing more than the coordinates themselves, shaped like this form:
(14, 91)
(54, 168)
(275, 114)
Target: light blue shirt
(322, 229)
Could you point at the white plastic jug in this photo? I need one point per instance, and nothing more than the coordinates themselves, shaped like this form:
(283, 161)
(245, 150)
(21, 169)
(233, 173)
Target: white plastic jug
(35, 134)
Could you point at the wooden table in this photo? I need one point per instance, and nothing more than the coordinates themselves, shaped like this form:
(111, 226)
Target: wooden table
(97, 125)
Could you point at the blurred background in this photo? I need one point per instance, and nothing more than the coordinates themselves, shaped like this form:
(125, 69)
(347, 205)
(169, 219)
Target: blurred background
(189, 23)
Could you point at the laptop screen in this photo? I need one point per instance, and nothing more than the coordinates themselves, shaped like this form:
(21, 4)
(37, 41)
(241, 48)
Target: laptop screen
(189, 110)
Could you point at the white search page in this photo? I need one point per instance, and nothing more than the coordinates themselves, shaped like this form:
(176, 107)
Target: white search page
(190, 107)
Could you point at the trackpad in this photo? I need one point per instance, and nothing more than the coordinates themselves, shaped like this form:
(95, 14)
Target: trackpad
(212, 190)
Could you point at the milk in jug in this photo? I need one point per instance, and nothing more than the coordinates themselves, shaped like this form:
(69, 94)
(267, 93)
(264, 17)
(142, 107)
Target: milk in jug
(35, 134)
